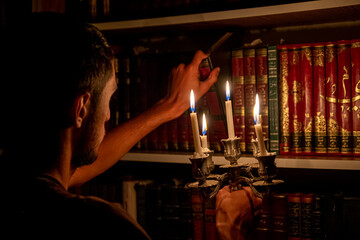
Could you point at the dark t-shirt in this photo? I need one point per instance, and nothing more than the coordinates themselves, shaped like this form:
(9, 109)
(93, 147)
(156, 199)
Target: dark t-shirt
(44, 207)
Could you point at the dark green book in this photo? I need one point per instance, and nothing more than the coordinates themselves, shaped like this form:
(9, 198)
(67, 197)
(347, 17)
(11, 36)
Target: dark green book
(273, 99)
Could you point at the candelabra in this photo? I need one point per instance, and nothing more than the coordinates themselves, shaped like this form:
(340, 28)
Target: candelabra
(239, 174)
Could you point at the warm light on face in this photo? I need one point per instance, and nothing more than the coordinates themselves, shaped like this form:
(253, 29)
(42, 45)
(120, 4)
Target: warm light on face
(227, 91)
(257, 110)
(204, 125)
(192, 101)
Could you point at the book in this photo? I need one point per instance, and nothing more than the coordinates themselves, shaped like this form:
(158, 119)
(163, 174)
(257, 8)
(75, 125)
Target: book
(154, 207)
(318, 220)
(284, 100)
(261, 72)
(185, 213)
(273, 99)
(264, 226)
(184, 131)
(129, 199)
(171, 211)
(197, 203)
(296, 101)
(294, 216)
(355, 97)
(307, 206)
(250, 93)
(238, 95)
(210, 218)
(344, 97)
(319, 112)
(279, 209)
(331, 86)
(306, 75)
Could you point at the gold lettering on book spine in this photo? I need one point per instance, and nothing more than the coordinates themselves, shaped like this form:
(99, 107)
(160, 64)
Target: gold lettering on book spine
(298, 92)
(330, 53)
(319, 56)
(345, 77)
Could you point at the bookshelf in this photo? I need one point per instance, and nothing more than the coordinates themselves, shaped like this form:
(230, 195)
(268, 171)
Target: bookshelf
(311, 12)
(308, 162)
(293, 17)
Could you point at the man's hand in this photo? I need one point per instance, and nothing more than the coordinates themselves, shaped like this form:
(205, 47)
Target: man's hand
(184, 78)
(235, 212)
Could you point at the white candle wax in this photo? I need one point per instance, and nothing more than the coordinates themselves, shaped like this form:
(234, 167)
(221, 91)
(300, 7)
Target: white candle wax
(196, 135)
(260, 139)
(258, 128)
(229, 113)
(195, 125)
(203, 137)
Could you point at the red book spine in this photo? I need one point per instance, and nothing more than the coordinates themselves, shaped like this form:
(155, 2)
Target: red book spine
(306, 64)
(183, 131)
(355, 80)
(216, 126)
(238, 96)
(296, 101)
(210, 219)
(197, 203)
(284, 100)
(319, 112)
(331, 86)
(250, 90)
(344, 99)
(173, 135)
(262, 87)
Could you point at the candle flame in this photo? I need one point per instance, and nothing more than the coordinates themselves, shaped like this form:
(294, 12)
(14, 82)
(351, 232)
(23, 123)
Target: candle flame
(257, 110)
(192, 101)
(204, 125)
(227, 91)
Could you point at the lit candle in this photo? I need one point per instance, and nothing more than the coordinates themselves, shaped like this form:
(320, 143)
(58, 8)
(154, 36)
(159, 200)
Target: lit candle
(229, 113)
(203, 138)
(195, 125)
(258, 128)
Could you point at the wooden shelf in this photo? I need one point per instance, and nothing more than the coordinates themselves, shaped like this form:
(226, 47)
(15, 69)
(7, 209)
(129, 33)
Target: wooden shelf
(306, 162)
(310, 12)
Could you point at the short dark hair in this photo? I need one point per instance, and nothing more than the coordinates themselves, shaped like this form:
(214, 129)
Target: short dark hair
(51, 59)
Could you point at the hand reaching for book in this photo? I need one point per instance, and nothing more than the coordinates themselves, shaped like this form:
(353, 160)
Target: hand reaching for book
(183, 78)
(235, 212)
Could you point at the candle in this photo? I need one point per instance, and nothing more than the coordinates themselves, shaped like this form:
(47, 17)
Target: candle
(203, 138)
(229, 113)
(195, 125)
(258, 128)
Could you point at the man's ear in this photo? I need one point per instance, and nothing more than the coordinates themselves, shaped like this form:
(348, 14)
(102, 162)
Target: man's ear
(82, 105)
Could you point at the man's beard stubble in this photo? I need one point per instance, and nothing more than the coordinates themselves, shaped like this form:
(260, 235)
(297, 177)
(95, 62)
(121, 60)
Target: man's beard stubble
(85, 152)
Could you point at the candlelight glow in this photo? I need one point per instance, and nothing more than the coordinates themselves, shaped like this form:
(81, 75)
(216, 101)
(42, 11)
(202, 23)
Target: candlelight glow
(192, 101)
(257, 110)
(204, 125)
(227, 91)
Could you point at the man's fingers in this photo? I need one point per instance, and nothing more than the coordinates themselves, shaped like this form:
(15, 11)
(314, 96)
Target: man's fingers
(198, 57)
(211, 79)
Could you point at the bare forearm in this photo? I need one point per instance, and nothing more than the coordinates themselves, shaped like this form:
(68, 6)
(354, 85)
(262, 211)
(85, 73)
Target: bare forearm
(121, 139)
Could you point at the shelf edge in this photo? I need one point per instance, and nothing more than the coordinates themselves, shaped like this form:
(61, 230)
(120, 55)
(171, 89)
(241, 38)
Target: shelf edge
(332, 164)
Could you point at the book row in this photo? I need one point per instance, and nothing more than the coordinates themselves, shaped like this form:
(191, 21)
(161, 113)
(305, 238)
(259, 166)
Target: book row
(170, 210)
(309, 98)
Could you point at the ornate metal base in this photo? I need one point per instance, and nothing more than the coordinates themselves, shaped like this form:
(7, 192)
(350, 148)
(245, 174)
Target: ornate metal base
(265, 183)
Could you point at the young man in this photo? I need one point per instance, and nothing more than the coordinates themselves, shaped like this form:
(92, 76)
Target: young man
(59, 84)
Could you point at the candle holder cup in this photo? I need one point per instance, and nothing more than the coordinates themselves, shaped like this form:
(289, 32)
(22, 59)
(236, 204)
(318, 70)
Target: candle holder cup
(267, 169)
(237, 172)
